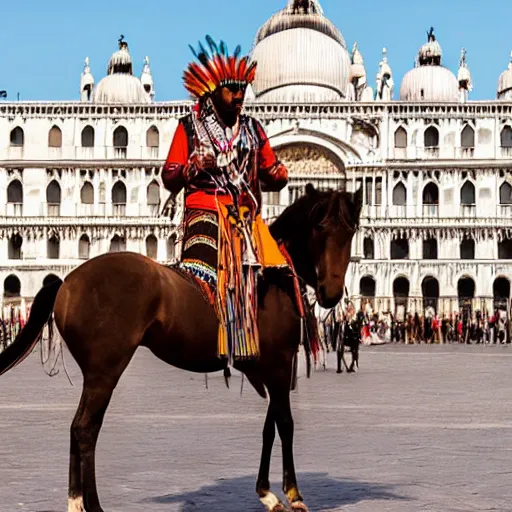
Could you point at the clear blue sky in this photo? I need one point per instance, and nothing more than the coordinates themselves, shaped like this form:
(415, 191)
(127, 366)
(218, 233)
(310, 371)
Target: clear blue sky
(44, 43)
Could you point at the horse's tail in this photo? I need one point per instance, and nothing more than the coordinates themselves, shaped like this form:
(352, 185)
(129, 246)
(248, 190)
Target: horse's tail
(40, 315)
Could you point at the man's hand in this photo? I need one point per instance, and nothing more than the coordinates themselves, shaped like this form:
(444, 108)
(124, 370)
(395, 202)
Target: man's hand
(204, 161)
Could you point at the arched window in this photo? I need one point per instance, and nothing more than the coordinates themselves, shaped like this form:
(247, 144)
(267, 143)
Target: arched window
(117, 244)
(49, 279)
(466, 288)
(430, 249)
(15, 192)
(153, 198)
(501, 293)
(506, 193)
(120, 137)
(53, 198)
(467, 249)
(153, 137)
(171, 248)
(369, 249)
(400, 138)
(12, 286)
(53, 248)
(467, 137)
(430, 291)
(506, 137)
(431, 200)
(55, 137)
(88, 137)
(399, 249)
(84, 247)
(14, 248)
(17, 137)
(367, 287)
(119, 198)
(119, 193)
(400, 195)
(505, 249)
(152, 247)
(401, 291)
(467, 194)
(431, 137)
(87, 193)
(15, 198)
(431, 194)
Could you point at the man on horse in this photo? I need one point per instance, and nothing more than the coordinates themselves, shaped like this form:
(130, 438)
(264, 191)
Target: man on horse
(223, 160)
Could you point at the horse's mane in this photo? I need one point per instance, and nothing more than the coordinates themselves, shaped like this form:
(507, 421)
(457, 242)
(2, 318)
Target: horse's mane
(326, 209)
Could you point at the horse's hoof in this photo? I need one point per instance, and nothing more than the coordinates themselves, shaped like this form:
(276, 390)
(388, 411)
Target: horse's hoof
(272, 503)
(299, 505)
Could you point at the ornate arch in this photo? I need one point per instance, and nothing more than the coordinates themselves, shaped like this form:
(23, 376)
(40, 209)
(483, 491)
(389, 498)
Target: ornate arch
(310, 155)
(465, 275)
(341, 150)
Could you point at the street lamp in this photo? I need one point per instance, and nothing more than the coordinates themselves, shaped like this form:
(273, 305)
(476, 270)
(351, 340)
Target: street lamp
(3, 94)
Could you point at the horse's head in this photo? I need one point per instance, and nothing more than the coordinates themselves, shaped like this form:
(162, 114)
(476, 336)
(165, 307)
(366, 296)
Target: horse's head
(318, 230)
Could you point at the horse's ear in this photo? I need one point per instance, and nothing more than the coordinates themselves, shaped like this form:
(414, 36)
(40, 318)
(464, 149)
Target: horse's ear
(310, 190)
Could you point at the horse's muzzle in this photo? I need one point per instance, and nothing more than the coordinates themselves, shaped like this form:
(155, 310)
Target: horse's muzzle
(327, 300)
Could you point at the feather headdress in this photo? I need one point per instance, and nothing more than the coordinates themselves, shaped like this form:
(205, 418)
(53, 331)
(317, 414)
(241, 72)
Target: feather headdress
(216, 68)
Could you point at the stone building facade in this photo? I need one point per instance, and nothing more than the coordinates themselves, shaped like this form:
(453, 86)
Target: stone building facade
(81, 178)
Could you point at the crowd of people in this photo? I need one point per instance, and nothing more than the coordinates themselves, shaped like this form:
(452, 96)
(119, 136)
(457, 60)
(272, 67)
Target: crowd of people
(466, 326)
(12, 319)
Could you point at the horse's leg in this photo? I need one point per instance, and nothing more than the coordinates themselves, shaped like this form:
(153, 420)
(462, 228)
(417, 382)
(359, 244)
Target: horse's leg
(280, 401)
(96, 394)
(268, 498)
(75, 494)
(86, 426)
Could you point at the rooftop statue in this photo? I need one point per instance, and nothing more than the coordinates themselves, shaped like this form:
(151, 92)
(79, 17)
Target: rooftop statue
(302, 7)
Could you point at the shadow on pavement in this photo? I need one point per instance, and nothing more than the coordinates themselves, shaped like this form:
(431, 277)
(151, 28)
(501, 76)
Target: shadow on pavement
(320, 491)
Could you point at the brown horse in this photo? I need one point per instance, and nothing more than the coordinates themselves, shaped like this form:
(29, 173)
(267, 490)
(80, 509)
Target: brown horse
(114, 303)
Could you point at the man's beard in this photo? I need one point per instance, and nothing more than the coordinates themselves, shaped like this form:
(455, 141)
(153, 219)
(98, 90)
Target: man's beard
(230, 115)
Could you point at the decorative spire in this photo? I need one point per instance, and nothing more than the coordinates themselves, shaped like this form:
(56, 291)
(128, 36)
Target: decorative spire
(463, 54)
(357, 69)
(147, 78)
(385, 82)
(464, 75)
(510, 63)
(146, 69)
(86, 82)
(87, 68)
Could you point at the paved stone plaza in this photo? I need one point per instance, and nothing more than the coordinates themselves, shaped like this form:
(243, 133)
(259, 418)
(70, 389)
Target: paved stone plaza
(418, 428)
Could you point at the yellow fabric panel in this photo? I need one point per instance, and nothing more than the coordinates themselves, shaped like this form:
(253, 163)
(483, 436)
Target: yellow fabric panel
(266, 246)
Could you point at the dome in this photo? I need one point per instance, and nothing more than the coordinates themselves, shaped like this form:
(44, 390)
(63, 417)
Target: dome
(429, 81)
(120, 89)
(505, 83)
(301, 56)
(120, 85)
